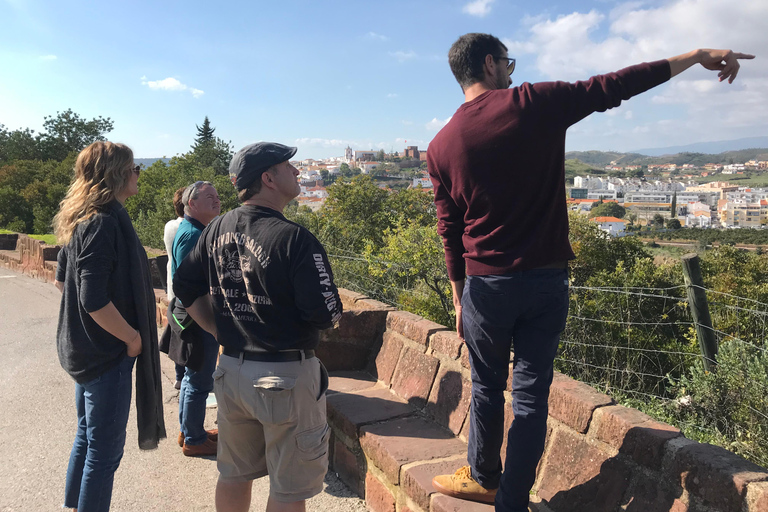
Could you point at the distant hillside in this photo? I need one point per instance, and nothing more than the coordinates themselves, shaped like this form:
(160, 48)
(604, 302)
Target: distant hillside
(600, 159)
(713, 147)
(146, 162)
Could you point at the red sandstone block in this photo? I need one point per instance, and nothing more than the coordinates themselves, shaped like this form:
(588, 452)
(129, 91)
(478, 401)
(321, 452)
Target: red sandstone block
(417, 480)
(573, 402)
(464, 357)
(373, 304)
(577, 476)
(648, 494)
(449, 400)
(509, 416)
(464, 434)
(715, 475)
(347, 412)
(349, 381)
(412, 326)
(447, 342)
(633, 433)
(394, 443)
(757, 497)
(377, 496)
(348, 298)
(349, 466)
(363, 324)
(442, 503)
(414, 376)
(400, 321)
(388, 356)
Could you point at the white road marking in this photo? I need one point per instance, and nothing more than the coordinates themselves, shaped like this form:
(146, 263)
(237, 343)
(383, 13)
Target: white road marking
(6, 277)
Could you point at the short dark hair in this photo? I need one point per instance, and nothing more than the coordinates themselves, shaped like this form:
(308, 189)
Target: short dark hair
(253, 189)
(467, 56)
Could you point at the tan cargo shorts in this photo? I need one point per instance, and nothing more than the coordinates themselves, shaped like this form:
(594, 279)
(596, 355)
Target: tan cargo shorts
(272, 420)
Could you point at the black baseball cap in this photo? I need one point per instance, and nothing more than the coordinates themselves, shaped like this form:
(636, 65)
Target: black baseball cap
(249, 163)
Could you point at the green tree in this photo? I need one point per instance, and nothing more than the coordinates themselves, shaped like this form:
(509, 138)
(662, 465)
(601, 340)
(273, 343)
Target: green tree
(354, 212)
(381, 155)
(412, 265)
(658, 220)
(673, 224)
(610, 209)
(211, 151)
(18, 145)
(67, 132)
(204, 134)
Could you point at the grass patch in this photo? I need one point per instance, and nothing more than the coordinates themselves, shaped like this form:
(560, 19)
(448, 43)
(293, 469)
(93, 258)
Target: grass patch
(48, 239)
(6, 232)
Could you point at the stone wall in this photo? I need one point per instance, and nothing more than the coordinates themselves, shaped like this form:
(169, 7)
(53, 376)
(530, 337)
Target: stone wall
(404, 419)
(398, 403)
(29, 256)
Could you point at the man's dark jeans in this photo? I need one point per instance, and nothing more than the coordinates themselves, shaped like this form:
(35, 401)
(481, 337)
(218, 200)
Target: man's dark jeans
(524, 311)
(195, 387)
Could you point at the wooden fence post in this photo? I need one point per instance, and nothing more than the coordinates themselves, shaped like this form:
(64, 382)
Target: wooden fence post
(697, 299)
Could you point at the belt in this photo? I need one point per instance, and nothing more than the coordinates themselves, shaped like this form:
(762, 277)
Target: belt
(271, 357)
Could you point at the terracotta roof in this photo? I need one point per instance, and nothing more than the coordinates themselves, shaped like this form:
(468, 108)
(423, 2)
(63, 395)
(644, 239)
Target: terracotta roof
(608, 219)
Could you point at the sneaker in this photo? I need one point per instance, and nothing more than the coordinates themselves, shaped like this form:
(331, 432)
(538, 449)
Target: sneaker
(461, 485)
(213, 435)
(200, 450)
(177, 384)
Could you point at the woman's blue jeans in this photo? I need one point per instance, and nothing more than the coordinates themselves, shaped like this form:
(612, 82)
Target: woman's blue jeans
(524, 311)
(102, 415)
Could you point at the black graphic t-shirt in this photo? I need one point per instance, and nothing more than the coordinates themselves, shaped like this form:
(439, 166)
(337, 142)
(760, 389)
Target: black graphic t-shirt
(269, 278)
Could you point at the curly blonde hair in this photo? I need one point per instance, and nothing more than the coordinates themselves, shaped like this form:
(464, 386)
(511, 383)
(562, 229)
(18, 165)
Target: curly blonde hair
(101, 171)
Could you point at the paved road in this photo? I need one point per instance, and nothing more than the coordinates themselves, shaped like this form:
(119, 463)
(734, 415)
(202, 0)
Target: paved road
(37, 425)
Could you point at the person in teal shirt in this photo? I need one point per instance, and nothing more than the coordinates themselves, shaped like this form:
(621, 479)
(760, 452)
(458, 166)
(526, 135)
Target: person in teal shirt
(201, 206)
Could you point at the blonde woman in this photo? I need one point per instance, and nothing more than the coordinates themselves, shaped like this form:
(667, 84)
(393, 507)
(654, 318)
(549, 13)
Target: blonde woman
(107, 319)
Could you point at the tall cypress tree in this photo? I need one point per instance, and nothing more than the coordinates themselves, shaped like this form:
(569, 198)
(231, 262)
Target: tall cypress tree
(673, 207)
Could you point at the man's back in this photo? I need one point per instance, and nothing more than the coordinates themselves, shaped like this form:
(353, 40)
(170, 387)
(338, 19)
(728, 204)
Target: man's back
(269, 279)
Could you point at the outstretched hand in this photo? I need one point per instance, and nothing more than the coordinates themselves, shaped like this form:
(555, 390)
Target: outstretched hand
(725, 61)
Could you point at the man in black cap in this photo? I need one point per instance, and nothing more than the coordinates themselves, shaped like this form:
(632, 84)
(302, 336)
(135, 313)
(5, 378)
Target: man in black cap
(264, 287)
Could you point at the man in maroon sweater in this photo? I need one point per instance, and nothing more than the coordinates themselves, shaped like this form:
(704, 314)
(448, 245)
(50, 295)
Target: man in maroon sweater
(499, 181)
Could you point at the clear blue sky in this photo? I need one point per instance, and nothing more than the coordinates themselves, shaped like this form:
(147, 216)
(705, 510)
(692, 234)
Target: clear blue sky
(324, 74)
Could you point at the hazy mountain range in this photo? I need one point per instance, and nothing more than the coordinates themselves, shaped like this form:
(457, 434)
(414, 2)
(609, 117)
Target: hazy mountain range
(713, 147)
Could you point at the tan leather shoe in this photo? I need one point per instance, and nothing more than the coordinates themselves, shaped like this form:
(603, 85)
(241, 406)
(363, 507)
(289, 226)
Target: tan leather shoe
(213, 435)
(200, 450)
(461, 485)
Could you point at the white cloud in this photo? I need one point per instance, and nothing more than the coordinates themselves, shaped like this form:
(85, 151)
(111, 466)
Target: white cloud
(479, 8)
(392, 95)
(407, 122)
(170, 84)
(403, 56)
(571, 46)
(436, 124)
(377, 37)
(48, 57)
(577, 45)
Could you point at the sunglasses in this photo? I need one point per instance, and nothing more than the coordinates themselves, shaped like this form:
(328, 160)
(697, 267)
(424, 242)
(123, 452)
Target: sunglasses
(510, 64)
(136, 170)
